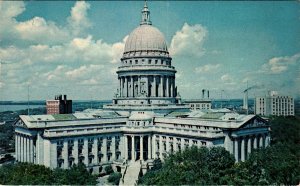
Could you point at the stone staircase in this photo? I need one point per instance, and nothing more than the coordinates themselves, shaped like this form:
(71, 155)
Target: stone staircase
(131, 174)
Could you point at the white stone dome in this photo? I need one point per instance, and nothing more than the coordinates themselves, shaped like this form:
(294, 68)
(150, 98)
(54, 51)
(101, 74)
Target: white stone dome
(145, 38)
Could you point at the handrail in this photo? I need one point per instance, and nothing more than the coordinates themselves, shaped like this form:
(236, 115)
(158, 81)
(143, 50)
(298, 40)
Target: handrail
(124, 173)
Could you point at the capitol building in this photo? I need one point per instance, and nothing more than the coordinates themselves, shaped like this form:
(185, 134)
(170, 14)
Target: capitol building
(146, 120)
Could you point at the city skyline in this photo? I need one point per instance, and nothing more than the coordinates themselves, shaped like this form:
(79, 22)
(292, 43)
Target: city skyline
(68, 47)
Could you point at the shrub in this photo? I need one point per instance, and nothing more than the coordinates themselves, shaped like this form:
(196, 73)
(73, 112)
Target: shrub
(114, 178)
(108, 169)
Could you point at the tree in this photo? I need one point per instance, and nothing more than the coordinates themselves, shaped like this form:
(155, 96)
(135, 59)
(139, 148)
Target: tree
(277, 164)
(30, 174)
(192, 166)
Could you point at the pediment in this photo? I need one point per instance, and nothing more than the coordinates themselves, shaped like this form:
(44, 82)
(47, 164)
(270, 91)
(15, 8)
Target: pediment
(255, 122)
(20, 123)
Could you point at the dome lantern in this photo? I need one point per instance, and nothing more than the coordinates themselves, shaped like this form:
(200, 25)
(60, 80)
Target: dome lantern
(145, 15)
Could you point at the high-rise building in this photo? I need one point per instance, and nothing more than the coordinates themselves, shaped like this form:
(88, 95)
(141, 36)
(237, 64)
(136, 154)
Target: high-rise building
(274, 104)
(60, 105)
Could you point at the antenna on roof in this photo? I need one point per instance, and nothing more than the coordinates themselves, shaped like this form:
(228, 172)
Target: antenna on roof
(28, 99)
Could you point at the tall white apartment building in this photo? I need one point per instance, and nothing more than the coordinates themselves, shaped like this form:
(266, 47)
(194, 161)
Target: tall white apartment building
(274, 104)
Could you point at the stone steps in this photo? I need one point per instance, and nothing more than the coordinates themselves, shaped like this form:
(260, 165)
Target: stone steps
(132, 173)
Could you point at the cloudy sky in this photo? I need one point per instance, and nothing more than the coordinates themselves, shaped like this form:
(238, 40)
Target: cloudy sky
(63, 47)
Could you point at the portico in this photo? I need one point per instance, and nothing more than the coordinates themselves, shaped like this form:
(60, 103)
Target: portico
(139, 147)
(244, 145)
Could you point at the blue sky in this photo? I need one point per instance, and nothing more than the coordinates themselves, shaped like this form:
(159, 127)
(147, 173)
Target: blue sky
(66, 47)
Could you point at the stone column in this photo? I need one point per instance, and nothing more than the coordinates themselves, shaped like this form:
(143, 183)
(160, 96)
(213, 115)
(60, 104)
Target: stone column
(22, 148)
(167, 87)
(243, 149)
(255, 142)
(172, 87)
(141, 148)
(17, 143)
(154, 84)
(31, 151)
(132, 149)
(126, 147)
(120, 89)
(149, 147)
(65, 154)
(190, 143)
(16, 146)
(236, 149)
(182, 144)
(121, 86)
(85, 151)
(75, 151)
(167, 144)
(249, 146)
(113, 148)
(147, 86)
(139, 85)
(95, 151)
(27, 149)
(104, 149)
(153, 147)
(260, 141)
(126, 87)
(266, 140)
(175, 144)
(132, 87)
(161, 86)
(160, 147)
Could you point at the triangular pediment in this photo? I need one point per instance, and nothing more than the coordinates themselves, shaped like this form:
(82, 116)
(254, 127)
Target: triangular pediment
(20, 123)
(254, 122)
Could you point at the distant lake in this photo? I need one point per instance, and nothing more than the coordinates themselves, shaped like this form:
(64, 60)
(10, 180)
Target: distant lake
(77, 105)
(18, 107)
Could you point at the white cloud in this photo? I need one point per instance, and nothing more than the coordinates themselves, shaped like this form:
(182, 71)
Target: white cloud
(207, 68)
(279, 65)
(50, 54)
(189, 41)
(8, 11)
(41, 31)
(78, 20)
(38, 30)
(84, 71)
(226, 77)
(11, 9)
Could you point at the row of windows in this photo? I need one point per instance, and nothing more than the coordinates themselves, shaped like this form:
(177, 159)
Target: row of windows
(149, 62)
(90, 140)
(139, 123)
(70, 162)
(178, 139)
(171, 145)
(197, 127)
(90, 147)
(200, 105)
(91, 129)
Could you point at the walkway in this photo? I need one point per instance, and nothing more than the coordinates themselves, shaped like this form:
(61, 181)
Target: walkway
(132, 173)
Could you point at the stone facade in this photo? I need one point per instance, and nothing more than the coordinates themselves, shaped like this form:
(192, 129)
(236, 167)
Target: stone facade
(97, 141)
